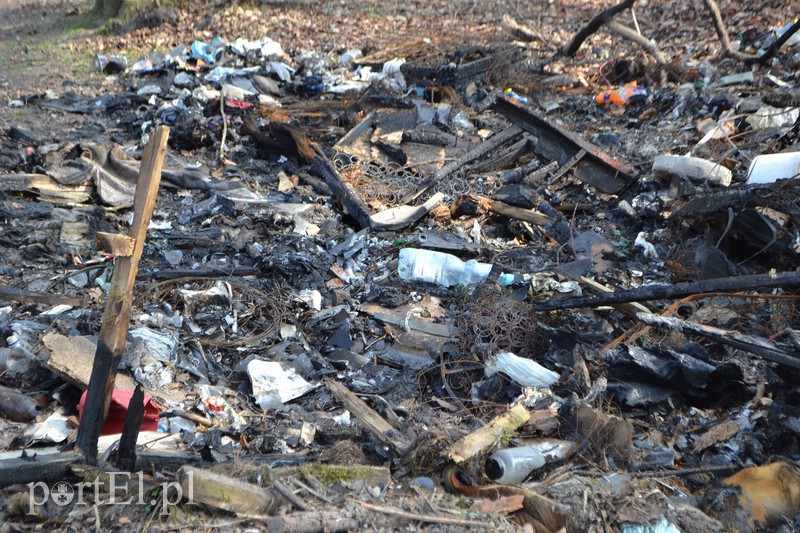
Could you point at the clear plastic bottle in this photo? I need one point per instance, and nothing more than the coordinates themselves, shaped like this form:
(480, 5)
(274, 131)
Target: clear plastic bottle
(443, 269)
(512, 465)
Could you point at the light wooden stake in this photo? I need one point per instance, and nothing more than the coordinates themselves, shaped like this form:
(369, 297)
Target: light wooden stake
(117, 313)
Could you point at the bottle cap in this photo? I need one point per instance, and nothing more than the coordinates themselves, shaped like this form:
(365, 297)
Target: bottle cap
(505, 279)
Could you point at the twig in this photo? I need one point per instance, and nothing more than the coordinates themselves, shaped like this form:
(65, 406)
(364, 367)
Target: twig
(224, 125)
(678, 290)
(635, 21)
(658, 473)
(311, 491)
(421, 517)
(290, 496)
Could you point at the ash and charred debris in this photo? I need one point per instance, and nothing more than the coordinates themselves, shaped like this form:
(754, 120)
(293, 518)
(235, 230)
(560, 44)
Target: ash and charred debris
(606, 295)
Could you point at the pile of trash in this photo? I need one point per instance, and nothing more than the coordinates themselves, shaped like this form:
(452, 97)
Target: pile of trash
(397, 289)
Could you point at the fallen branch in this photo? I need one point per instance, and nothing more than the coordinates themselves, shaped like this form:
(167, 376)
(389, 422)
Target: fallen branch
(290, 497)
(631, 35)
(474, 203)
(191, 417)
(730, 51)
(679, 290)
(232, 495)
(595, 25)
(224, 125)
(521, 31)
(756, 345)
(423, 517)
(483, 438)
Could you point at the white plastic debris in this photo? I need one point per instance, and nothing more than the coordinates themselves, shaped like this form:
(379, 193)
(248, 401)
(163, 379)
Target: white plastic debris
(232, 92)
(154, 376)
(265, 46)
(661, 527)
(311, 297)
(148, 90)
(648, 250)
(525, 372)
(204, 94)
(220, 74)
(274, 383)
(282, 70)
(773, 117)
(693, 168)
(391, 77)
(220, 294)
(288, 331)
(160, 346)
(52, 430)
(351, 55)
(770, 168)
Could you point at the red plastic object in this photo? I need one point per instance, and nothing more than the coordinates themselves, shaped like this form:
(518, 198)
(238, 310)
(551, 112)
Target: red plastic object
(120, 400)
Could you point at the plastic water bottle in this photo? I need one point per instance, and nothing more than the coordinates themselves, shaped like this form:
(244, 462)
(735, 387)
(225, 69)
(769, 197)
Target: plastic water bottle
(512, 465)
(443, 269)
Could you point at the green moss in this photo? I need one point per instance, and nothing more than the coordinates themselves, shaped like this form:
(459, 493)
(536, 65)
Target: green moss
(332, 474)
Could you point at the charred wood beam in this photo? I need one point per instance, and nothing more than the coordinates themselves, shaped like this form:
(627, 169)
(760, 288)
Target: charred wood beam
(350, 198)
(679, 290)
(126, 454)
(357, 131)
(29, 468)
(595, 25)
(476, 204)
(756, 345)
(371, 420)
(596, 167)
(480, 151)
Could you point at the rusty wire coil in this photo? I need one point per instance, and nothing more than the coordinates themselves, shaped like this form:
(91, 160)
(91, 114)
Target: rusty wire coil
(262, 308)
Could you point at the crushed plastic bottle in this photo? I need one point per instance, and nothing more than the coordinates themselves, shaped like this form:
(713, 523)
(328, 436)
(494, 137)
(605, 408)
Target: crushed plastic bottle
(629, 93)
(444, 269)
